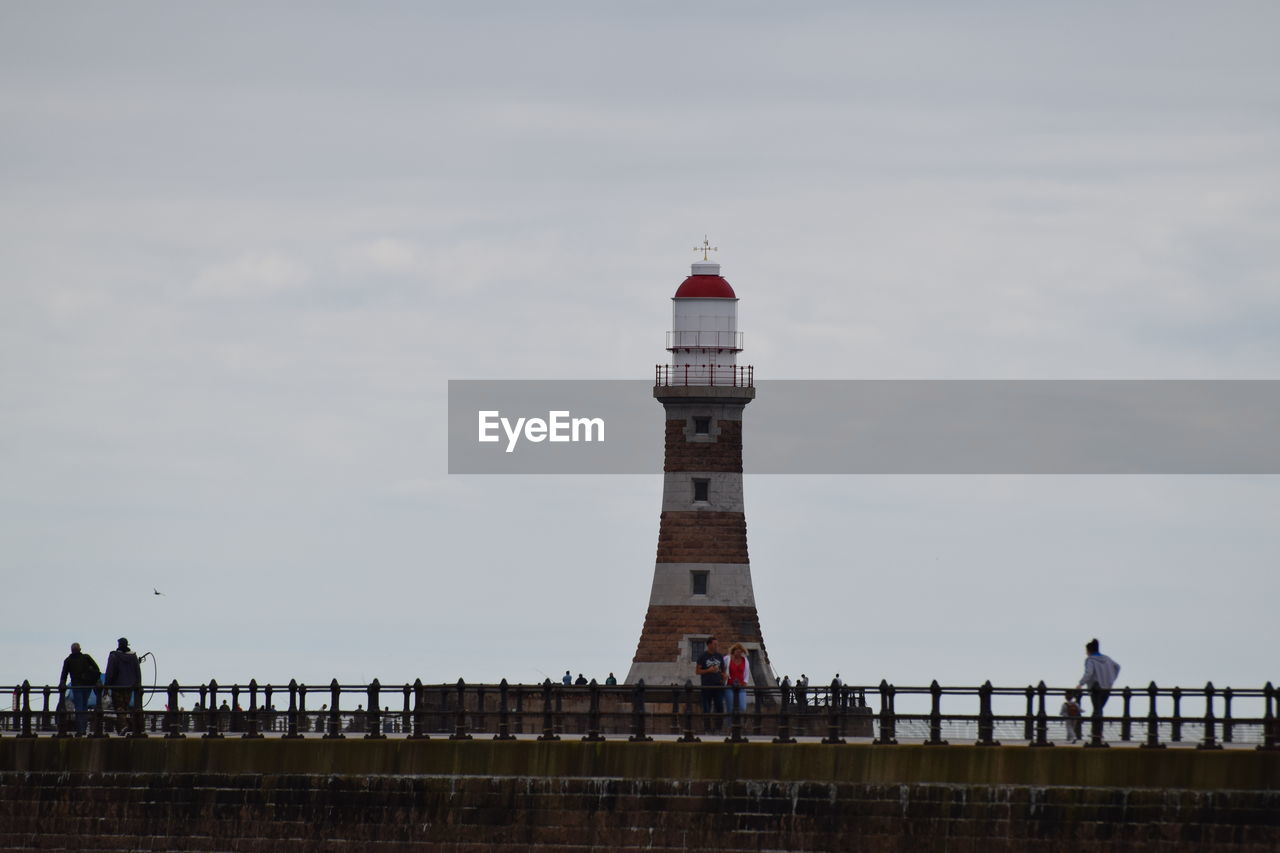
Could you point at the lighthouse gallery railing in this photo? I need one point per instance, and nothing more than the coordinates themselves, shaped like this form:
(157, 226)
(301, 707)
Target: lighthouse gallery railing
(738, 376)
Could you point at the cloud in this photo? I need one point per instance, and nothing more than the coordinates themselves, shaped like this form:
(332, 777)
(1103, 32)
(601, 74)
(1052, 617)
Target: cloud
(387, 254)
(255, 274)
(241, 264)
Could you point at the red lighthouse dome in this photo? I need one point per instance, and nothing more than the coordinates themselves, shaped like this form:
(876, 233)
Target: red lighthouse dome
(705, 283)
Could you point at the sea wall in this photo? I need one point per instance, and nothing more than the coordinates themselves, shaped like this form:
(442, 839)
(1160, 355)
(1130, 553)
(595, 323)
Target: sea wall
(254, 795)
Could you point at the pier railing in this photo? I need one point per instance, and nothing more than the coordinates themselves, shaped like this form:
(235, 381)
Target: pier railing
(1150, 717)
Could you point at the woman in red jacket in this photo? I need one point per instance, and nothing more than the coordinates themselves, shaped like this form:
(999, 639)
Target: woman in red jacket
(737, 678)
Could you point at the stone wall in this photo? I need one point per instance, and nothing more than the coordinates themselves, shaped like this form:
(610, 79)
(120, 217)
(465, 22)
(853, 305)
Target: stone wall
(299, 812)
(355, 794)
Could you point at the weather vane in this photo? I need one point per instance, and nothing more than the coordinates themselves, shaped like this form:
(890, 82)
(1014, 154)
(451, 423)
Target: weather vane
(706, 247)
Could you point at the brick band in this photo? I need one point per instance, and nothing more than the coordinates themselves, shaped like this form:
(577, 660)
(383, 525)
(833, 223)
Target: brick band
(702, 537)
(665, 627)
(721, 453)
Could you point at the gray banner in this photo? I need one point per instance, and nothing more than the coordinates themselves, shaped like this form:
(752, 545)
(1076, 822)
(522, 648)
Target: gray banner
(882, 427)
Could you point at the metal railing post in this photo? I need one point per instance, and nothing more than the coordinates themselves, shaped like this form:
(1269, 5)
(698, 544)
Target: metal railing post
(986, 720)
(1268, 718)
(1029, 720)
(201, 722)
(504, 727)
(99, 712)
(211, 730)
(173, 720)
(520, 709)
(237, 716)
(1096, 721)
(833, 714)
(138, 726)
(460, 724)
(419, 711)
(1210, 739)
(26, 710)
(291, 720)
(548, 716)
(375, 711)
(1175, 726)
(1227, 725)
(406, 715)
(62, 714)
(593, 713)
(638, 734)
(1126, 721)
(1153, 719)
(935, 715)
(688, 736)
(335, 718)
(254, 726)
(735, 716)
(888, 719)
(1042, 717)
(443, 709)
(784, 717)
(303, 724)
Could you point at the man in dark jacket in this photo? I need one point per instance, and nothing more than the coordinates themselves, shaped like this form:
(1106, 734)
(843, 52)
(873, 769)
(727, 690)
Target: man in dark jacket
(124, 677)
(83, 672)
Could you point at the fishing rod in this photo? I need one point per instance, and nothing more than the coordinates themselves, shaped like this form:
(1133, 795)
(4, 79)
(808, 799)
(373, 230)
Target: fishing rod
(155, 680)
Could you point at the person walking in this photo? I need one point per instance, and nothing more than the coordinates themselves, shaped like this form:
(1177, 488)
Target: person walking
(124, 678)
(710, 668)
(737, 679)
(1100, 674)
(83, 671)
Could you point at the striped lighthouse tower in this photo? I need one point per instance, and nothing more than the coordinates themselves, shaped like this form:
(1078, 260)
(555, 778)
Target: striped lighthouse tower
(702, 579)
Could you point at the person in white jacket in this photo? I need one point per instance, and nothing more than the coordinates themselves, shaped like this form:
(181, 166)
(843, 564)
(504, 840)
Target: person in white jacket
(1100, 674)
(737, 673)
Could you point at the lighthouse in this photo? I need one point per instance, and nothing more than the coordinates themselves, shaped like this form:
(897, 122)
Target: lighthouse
(702, 576)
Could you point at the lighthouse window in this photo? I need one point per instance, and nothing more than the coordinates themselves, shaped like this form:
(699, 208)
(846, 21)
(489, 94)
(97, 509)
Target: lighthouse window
(701, 491)
(702, 426)
(699, 582)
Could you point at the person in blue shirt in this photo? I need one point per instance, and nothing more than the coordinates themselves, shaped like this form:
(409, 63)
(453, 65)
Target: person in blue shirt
(83, 671)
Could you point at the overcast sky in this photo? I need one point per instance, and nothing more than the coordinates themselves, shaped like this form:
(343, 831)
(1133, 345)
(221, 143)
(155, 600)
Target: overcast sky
(243, 247)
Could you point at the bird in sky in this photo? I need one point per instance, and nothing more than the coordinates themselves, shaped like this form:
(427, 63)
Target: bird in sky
(156, 591)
